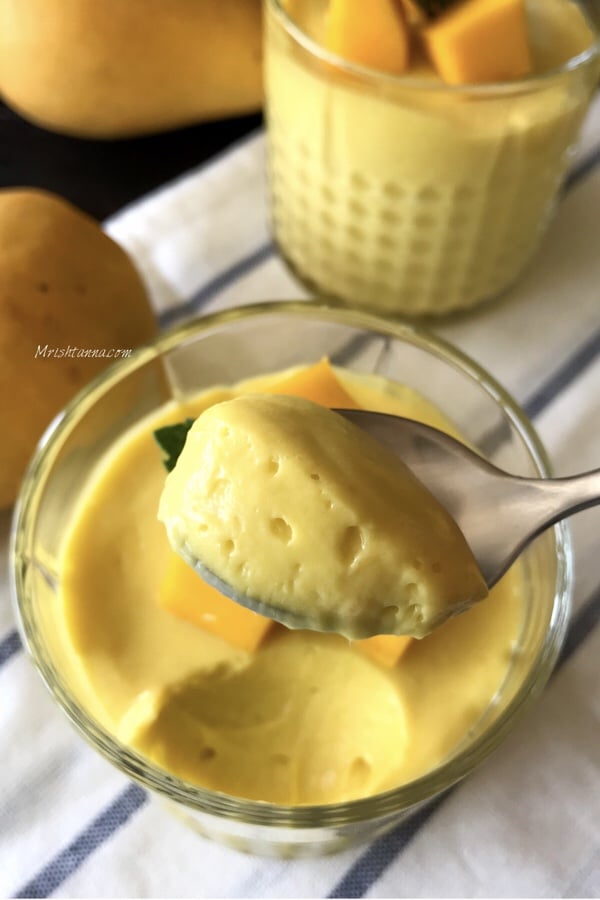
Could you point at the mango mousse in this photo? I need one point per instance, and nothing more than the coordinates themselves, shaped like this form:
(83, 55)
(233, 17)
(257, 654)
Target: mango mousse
(415, 153)
(230, 700)
(305, 513)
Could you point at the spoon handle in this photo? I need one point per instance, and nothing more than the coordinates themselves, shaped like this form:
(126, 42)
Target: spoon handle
(523, 509)
(562, 497)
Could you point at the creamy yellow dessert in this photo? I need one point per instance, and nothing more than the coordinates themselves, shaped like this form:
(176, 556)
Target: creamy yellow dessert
(224, 698)
(394, 190)
(321, 526)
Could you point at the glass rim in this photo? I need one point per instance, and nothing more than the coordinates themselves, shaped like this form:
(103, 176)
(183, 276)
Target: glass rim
(157, 780)
(367, 74)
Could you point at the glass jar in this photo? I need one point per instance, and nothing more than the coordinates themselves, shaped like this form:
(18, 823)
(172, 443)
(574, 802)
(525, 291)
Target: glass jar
(405, 195)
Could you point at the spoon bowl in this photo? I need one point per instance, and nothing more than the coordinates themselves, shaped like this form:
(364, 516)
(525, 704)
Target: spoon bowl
(499, 514)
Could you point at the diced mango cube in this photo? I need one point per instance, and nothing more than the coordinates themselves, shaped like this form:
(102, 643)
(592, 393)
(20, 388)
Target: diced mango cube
(183, 593)
(317, 383)
(385, 649)
(378, 38)
(479, 41)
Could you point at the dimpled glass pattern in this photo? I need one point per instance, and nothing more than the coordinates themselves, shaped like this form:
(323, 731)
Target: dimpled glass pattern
(413, 201)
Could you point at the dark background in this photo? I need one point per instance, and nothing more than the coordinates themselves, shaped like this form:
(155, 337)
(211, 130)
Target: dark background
(102, 176)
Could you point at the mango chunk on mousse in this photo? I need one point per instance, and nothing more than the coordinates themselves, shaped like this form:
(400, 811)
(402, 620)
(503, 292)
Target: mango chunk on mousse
(317, 383)
(467, 41)
(297, 508)
(184, 594)
(385, 649)
(479, 41)
(379, 39)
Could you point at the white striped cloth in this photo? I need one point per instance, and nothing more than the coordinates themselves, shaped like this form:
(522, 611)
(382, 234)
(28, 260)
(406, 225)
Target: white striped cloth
(527, 823)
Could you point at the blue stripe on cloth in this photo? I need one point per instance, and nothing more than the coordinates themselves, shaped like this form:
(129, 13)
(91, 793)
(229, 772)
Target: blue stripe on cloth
(583, 623)
(583, 168)
(559, 380)
(216, 285)
(369, 868)
(10, 645)
(371, 865)
(97, 833)
(563, 376)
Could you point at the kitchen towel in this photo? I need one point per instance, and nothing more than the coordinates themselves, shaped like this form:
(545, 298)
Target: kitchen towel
(527, 823)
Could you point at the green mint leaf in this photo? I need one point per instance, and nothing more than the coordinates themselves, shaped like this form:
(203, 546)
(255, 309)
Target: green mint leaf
(171, 439)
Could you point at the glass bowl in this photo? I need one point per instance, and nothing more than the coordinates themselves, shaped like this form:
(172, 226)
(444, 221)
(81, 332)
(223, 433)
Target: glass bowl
(225, 348)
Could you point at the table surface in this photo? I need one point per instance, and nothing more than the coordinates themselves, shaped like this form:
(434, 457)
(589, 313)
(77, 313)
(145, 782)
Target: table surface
(103, 176)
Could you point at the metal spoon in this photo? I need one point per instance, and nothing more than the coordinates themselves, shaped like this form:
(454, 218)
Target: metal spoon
(499, 514)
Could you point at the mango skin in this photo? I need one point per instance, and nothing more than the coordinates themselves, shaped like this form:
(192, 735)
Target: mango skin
(63, 283)
(120, 68)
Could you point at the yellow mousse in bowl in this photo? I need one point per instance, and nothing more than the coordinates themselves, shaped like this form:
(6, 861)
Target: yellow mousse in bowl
(224, 698)
(319, 524)
(407, 176)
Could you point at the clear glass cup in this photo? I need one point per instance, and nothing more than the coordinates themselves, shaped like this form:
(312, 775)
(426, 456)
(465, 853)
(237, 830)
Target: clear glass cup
(404, 195)
(225, 348)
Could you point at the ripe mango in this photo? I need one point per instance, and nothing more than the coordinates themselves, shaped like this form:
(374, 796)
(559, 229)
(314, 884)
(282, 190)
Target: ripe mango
(65, 287)
(118, 68)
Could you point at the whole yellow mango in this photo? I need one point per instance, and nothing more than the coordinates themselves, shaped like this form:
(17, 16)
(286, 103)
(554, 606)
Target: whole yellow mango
(71, 302)
(118, 68)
